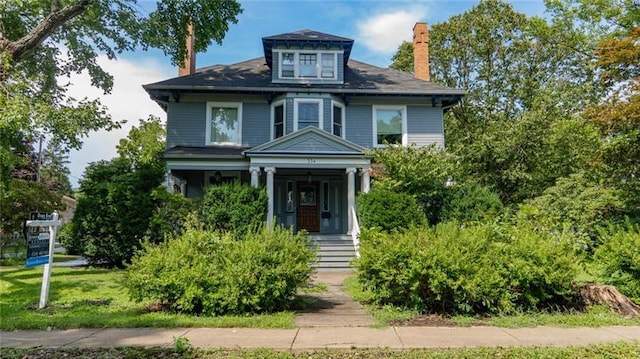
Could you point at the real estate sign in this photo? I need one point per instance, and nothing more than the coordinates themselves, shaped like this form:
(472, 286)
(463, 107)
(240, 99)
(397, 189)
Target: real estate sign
(38, 240)
(41, 234)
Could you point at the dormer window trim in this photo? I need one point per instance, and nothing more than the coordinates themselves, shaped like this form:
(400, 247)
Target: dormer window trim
(295, 59)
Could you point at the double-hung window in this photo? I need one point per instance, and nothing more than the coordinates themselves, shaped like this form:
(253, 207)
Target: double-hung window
(389, 125)
(338, 119)
(277, 119)
(224, 123)
(307, 112)
(328, 66)
(288, 64)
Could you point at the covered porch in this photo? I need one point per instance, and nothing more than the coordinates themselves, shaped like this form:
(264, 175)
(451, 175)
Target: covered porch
(311, 180)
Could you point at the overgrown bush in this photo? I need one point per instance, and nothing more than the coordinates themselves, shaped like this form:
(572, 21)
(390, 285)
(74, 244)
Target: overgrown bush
(576, 203)
(467, 202)
(419, 171)
(170, 215)
(234, 207)
(388, 210)
(68, 241)
(215, 274)
(619, 258)
(481, 268)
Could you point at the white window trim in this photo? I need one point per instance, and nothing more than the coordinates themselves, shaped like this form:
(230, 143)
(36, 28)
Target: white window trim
(296, 62)
(210, 105)
(273, 117)
(320, 103)
(342, 108)
(374, 119)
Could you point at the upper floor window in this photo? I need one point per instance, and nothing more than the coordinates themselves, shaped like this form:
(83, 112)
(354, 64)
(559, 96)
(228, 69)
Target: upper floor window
(287, 67)
(327, 70)
(277, 119)
(308, 65)
(338, 119)
(307, 112)
(389, 125)
(224, 123)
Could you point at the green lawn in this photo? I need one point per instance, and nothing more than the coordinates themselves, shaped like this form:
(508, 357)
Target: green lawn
(616, 350)
(93, 298)
(594, 317)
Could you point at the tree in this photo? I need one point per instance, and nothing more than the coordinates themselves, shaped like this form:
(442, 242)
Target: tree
(42, 41)
(25, 197)
(145, 144)
(116, 205)
(618, 117)
(523, 75)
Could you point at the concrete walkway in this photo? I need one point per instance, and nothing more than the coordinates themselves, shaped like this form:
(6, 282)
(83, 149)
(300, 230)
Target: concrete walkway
(334, 308)
(323, 337)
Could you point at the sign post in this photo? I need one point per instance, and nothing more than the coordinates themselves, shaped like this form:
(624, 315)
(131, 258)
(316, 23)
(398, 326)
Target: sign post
(40, 248)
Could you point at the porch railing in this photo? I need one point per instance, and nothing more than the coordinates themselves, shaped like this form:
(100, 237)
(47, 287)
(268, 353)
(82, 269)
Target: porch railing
(355, 231)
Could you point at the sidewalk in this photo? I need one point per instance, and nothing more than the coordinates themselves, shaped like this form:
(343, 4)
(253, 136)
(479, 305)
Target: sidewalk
(323, 337)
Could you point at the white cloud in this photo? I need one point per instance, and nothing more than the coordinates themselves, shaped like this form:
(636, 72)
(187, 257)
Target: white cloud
(127, 101)
(383, 33)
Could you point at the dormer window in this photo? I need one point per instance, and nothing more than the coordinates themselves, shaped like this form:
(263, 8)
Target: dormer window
(288, 64)
(308, 65)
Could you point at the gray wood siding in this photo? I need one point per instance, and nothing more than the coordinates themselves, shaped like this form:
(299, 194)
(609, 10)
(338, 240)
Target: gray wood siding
(186, 124)
(289, 116)
(326, 114)
(256, 122)
(425, 126)
(341, 67)
(275, 66)
(359, 126)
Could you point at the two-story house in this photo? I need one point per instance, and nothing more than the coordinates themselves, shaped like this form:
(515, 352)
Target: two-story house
(299, 122)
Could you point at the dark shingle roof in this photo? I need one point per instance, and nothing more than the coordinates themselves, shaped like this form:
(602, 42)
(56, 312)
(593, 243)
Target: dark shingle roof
(205, 152)
(254, 76)
(307, 35)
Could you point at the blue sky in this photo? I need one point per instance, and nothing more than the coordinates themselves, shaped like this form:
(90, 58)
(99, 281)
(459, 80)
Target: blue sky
(377, 27)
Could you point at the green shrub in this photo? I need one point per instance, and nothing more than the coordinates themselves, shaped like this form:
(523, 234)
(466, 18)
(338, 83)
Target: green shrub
(482, 268)
(114, 210)
(170, 216)
(234, 207)
(619, 257)
(215, 274)
(575, 203)
(388, 210)
(466, 202)
(421, 172)
(68, 241)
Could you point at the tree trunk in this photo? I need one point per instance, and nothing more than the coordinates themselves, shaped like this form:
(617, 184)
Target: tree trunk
(592, 294)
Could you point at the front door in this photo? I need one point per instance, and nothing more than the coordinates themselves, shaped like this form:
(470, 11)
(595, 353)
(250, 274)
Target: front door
(308, 218)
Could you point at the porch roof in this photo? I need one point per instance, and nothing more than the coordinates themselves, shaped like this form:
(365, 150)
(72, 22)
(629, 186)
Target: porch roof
(308, 141)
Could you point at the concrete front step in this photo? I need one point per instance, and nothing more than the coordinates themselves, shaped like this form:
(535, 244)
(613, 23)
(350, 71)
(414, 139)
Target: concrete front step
(333, 251)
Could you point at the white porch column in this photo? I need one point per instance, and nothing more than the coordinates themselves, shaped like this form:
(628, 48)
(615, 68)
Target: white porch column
(270, 171)
(255, 176)
(351, 196)
(365, 179)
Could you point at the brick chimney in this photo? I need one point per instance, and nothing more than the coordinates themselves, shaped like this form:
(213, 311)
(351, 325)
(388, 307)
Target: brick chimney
(189, 65)
(421, 51)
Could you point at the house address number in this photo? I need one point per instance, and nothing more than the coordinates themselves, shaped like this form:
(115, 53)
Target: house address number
(311, 160)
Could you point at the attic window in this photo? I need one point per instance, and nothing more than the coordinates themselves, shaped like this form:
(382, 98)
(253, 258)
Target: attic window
(288, 63)
(305, 64)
